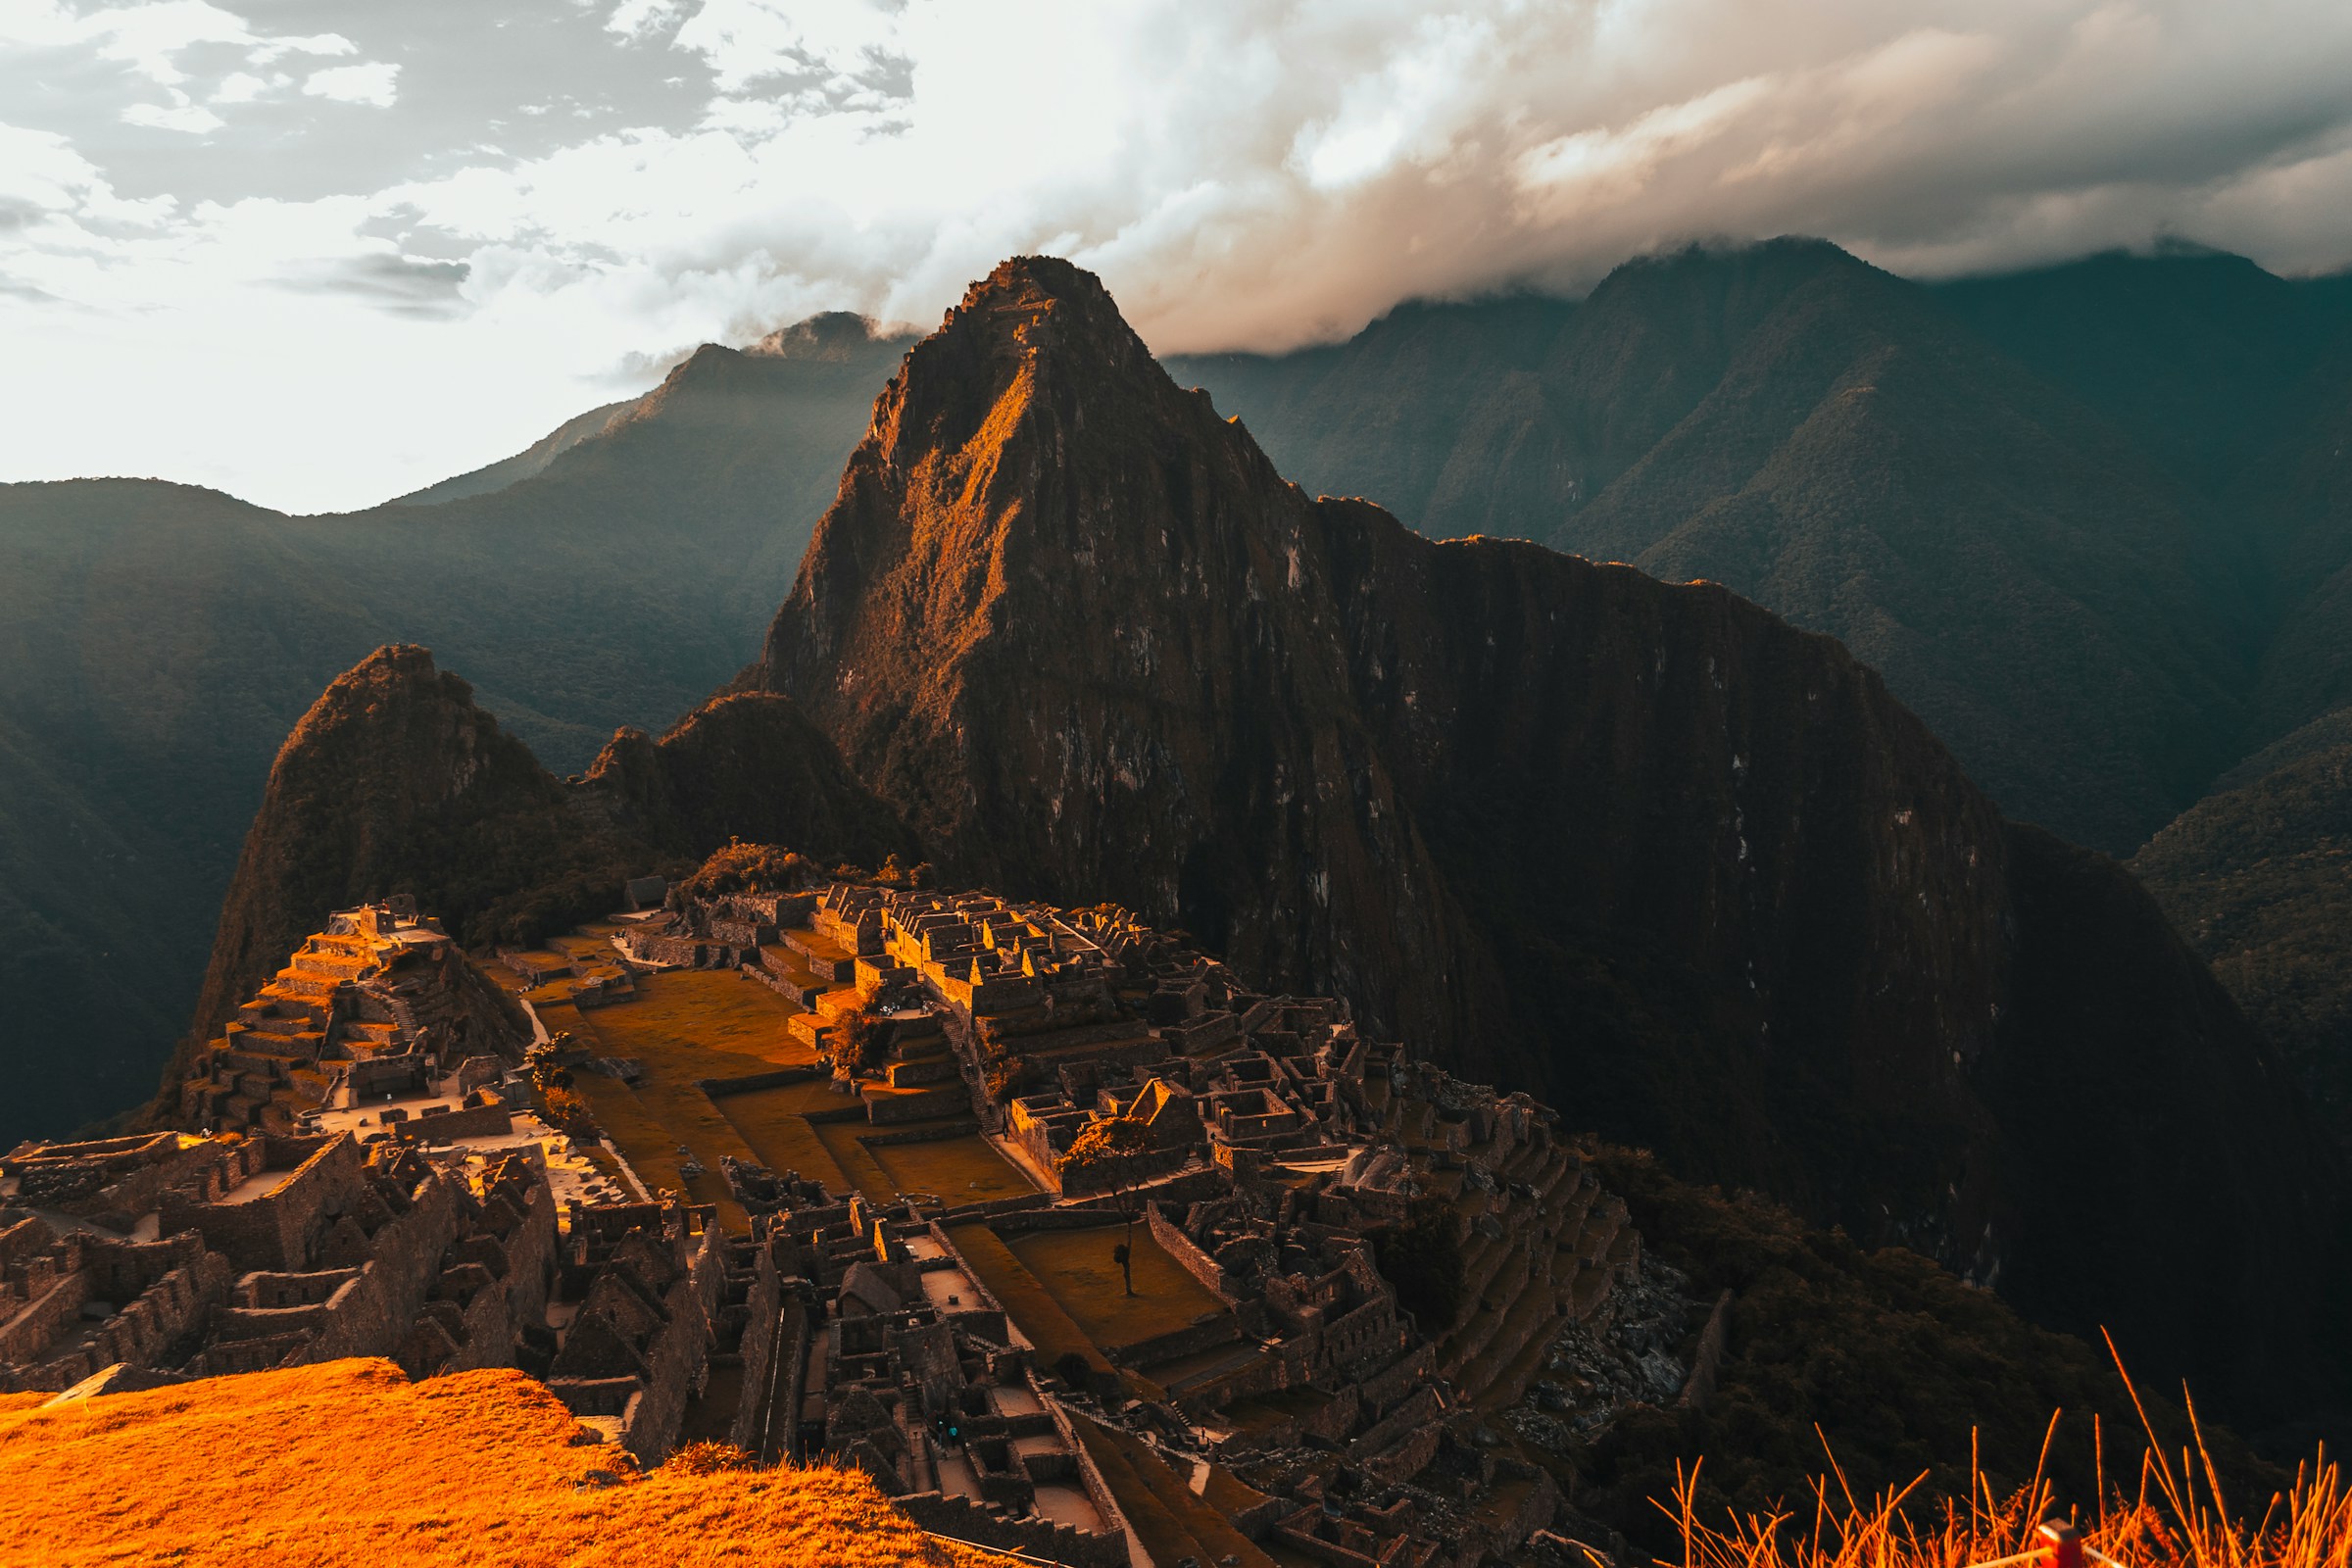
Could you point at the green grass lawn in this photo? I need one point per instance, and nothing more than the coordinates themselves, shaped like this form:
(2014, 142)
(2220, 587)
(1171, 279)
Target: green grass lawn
(965, 1169)
(771, 1121)
(1077, 1269)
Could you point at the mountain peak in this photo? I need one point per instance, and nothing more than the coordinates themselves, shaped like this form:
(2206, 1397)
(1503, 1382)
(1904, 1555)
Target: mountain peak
(831, 337)
(1029, 315)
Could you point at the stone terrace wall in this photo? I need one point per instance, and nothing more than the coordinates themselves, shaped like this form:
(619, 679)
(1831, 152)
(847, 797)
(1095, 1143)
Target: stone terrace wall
(370, 1315)
(276, 1230)
(1188, 1256)
(758, 1346)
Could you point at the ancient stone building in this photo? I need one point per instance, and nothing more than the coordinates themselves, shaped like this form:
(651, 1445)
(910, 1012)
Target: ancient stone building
(264, 1251)
(379, 1004)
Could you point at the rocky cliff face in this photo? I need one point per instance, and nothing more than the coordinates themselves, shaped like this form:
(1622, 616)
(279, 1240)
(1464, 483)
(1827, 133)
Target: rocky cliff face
(393, 782)
(1687, 872)
(749, 765)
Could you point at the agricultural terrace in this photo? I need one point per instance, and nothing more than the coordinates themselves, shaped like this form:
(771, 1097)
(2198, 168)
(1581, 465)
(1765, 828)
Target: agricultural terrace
(1077, 1268)
(683, 1025)
(687, 1025)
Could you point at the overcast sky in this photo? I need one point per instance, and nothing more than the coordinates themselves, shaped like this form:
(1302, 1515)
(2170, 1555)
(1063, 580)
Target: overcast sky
(319, 252)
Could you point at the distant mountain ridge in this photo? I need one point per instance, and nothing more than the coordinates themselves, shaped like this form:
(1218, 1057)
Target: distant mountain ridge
(608, 580)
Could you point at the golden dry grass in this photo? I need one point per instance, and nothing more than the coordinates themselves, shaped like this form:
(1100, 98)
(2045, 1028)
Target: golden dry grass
(2173, 1513)
(348, 1463)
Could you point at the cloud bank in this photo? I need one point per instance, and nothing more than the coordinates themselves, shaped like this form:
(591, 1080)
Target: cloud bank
(320, 269)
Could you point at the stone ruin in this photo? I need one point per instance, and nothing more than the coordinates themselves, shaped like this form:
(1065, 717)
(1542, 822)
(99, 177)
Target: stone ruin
(379, 1002)
(245, 1254)
(1280, 1145)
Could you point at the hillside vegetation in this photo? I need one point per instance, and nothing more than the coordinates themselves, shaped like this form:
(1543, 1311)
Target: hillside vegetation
(1910, 1378)
(2259, 880)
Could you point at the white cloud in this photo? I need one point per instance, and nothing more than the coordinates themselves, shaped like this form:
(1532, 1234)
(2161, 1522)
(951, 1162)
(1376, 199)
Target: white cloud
(180, 115)
(150, 37)
(372, 83)
(1242, 173)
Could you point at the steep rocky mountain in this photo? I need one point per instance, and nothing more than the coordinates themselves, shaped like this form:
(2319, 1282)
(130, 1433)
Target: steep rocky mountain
(1691, 873)
(397, 782)
(161, 640)
(1841, 446)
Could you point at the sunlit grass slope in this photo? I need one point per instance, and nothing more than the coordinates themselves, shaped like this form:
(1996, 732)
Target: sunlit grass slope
(349, 1463)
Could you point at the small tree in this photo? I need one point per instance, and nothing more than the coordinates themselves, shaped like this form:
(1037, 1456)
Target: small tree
(860, 1040)
(1110, 1152)
(540, 1062)
(742, 868)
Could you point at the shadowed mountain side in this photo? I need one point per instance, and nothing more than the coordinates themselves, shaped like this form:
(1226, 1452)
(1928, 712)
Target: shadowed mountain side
(749, 766)
(531, 459)
(2301, 497)
(2128, 1081)
(1836, 444)
(1867, 468)
(1647, 851)
(2259, 879)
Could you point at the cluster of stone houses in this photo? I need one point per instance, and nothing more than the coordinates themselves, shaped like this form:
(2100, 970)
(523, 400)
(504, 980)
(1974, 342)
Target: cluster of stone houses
(1280, 1142)
(166, 1258)
(1280, 1145)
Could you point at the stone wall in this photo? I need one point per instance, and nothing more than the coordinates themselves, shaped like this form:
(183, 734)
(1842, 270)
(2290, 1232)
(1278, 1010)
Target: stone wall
(758, 1347)
(679, 1351)
(919, 1105)
(1188, 1256)
(479, 1121)
(370, 1315)
(720, 1088)
(1222, 1329)
(276, 1230)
